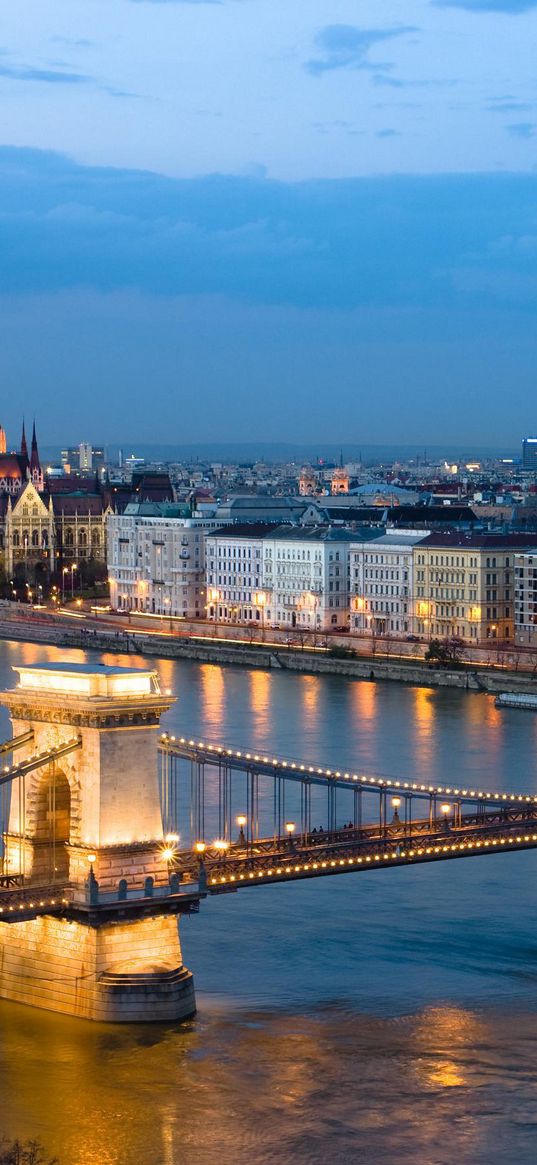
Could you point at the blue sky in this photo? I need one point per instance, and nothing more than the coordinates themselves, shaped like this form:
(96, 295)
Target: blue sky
(284, 220)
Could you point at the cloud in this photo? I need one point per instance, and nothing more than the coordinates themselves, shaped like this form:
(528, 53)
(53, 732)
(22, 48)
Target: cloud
(511, 7)
(140, 288)
(510, 107)
(369, 241)
(49, 76)
(523, 129)
(344, 46)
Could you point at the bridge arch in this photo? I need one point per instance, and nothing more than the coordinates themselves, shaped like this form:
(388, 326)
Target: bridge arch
(50, 825)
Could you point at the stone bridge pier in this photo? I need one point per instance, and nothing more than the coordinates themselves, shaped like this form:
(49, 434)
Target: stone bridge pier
(88, 825)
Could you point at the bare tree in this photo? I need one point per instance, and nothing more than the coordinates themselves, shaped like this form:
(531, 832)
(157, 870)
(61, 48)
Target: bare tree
(29, 1153)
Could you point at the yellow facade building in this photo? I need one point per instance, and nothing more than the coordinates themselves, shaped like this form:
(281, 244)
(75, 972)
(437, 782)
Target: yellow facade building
(464, 585)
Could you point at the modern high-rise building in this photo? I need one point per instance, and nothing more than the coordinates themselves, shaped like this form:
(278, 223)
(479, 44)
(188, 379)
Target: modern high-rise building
(529, 453)
(85, 456)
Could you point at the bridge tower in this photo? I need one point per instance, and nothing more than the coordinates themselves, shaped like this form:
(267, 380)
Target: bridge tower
(98, 935)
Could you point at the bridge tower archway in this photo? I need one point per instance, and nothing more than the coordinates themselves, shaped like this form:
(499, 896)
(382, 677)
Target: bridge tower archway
(51, 827)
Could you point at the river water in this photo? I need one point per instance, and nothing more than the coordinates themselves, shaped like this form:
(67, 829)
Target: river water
(382, 1017)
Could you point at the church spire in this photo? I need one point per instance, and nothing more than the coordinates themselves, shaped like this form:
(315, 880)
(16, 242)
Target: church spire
(34, 456)
(35, 472)
(24, 447)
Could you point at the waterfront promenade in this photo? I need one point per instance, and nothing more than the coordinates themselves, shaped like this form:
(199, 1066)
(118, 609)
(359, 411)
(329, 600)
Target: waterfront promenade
(487, 669)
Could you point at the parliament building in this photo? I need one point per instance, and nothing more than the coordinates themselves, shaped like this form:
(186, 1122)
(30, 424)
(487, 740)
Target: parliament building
(48, 523)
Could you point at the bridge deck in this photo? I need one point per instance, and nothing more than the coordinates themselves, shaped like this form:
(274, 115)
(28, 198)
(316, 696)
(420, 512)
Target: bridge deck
(269, 861)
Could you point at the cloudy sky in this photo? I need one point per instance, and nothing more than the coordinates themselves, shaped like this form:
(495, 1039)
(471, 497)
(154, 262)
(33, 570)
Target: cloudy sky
(285, 219)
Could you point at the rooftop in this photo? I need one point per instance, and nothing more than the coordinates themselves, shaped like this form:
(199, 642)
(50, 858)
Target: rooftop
(85, 679)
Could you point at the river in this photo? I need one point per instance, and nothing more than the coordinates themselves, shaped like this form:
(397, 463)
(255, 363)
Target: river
(385, 1017)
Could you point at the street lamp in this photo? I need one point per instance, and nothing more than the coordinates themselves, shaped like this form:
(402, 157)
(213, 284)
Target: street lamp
(290, 829)
(214, 598)
(260, 600)
(445, 810)
(396, 803)
(241, 822)
(221, 845)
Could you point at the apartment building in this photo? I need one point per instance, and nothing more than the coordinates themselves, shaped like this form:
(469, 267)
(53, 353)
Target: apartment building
(306, 577)
(526, 597)
(285, 576)
(156, 560)
(464, 585)
(381, 583)
(234, 572)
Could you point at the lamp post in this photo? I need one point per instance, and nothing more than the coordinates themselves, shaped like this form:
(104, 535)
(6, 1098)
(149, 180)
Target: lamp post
(445, 810)
(199, 850)
(290, 829)
(260, 600)
(241, 822)
(214, 597)
(396, 820)
(73, 568)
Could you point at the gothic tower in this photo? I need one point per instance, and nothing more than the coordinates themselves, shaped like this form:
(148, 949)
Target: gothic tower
(36, 473)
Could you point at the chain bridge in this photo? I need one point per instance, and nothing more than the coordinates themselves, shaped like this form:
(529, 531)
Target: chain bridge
(112, 830)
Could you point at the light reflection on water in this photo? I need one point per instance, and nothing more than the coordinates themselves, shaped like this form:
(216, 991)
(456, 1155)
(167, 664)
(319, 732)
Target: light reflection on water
(387, 1018)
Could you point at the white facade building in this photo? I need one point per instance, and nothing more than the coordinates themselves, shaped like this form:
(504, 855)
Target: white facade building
(156, 560)
(382, 584)
(306, 577)
(234, 573)
(280, 576)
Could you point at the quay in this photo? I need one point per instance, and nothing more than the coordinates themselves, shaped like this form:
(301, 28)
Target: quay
(102, 636)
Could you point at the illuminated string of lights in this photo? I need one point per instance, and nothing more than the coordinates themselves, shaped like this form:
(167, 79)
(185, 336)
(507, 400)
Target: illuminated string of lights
(42, 904)
(381, 783)
(441, 852)
(12, 772)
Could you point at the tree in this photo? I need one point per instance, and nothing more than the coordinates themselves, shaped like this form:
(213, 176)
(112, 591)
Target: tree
(445, 651)
(29, 1153)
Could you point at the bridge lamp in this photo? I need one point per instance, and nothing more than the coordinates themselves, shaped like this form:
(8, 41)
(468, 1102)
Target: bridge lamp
(221, 845)
(396, 801)
(92, 858)
(290, 829)
(172, 837)
(445, 810)
(241, 822)
(168, 853)
(200, 847)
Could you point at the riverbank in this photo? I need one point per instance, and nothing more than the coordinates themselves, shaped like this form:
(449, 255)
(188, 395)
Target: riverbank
(412, 671)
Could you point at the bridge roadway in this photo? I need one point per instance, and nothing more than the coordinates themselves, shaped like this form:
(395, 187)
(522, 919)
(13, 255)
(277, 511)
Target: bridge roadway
(269, 860)
(348, 850)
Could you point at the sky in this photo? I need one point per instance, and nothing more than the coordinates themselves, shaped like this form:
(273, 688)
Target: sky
(277, 220)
